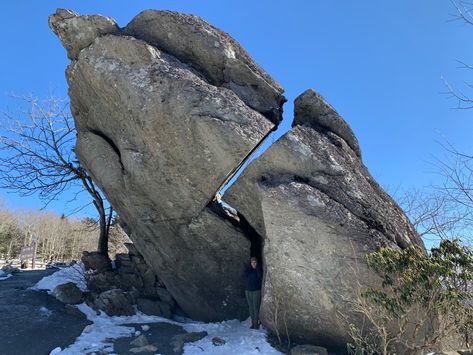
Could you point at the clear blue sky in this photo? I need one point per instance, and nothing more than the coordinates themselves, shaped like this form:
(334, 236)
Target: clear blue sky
(379, 63)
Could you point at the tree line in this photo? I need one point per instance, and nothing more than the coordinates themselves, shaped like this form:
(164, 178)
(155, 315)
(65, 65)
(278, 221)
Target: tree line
(37, 157)
(58, 238)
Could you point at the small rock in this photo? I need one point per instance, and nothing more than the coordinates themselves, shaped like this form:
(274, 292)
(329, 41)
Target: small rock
(145, 327)
(144, 349)
(114, 303)
(101, 282)
(137, 333)
(218, 341)
(154, 307)
(68, 293)
(179, 340)
(308, 350)
(96, 261)
(140, 341)
(193, 336)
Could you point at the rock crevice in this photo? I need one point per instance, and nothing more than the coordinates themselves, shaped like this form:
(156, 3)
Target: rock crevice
(167, 110)
(112, 145)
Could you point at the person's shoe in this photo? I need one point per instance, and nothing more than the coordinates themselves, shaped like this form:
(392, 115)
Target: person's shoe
(253, 324)
(257, 323)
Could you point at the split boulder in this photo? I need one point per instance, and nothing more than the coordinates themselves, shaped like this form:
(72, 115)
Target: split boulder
(319, 211)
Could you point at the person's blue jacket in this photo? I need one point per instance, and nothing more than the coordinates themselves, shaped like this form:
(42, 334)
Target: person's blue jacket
(253, 278)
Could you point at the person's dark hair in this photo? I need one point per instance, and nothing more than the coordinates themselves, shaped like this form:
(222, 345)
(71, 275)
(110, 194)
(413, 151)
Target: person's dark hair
(254, 258)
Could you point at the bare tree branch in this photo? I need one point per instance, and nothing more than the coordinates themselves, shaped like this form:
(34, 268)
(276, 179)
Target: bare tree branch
(37, 156)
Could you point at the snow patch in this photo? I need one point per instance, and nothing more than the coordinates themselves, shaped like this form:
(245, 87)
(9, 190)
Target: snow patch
(4, 275)
(237, 335)
(98, 337)
(55, 351)
(74, 273)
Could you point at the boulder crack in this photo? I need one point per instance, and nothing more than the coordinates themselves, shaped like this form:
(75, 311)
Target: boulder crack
(237, 220)
(240, 167)
(111, 143)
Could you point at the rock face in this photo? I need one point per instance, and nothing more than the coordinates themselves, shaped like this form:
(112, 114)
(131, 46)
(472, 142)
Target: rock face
(220, 59)
(319, 212)
(78, 32)
(160, 135)
(312, 110)
(166, 110)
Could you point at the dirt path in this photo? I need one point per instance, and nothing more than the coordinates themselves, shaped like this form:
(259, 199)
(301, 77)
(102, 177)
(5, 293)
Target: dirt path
(33, 322)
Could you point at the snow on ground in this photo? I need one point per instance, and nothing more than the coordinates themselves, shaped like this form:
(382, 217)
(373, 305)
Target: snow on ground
(239, 339)
(4, 275)
(74, 273)
(98, 336)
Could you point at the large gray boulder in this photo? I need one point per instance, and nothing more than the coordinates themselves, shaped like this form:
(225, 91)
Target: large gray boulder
(152, 133)
(220, 59)
(166, 110)
(319, 211)
(200, 261)
(160, 140)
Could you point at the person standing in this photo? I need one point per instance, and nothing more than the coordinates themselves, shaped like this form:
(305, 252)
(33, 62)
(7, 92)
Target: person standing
(253, 281)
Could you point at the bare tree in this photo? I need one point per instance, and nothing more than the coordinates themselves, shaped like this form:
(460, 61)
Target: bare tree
(38, 157)
(446, 211)
(433, 213)
(457, 186)
(463, 13)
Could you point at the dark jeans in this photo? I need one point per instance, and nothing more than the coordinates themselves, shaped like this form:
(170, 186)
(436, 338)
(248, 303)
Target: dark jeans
(254, 300)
